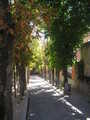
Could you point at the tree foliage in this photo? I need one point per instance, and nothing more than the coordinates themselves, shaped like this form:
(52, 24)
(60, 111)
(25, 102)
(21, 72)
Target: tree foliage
(67, 30)
(50, 54)
(66, 21)
(37, 55)
(27, 14)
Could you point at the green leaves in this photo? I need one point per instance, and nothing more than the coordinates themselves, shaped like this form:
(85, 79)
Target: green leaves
(67, 30)
(23, 1)
(66, 20)
(37, 54)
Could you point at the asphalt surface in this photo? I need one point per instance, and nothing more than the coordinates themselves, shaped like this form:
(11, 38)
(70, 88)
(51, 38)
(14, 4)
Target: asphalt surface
(48, 103)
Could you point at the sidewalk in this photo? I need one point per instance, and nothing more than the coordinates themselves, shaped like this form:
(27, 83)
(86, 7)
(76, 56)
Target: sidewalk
(49, 103)
(20, 107)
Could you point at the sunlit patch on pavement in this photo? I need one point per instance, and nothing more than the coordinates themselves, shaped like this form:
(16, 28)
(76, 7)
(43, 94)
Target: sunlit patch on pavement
(32, 114)
(48, 94)
(56, 92)
(70, 105)
(73, 114)
(87, 118)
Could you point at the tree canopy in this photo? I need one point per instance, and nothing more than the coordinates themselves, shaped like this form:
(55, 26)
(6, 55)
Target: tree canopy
(68, 29)
(65, 22)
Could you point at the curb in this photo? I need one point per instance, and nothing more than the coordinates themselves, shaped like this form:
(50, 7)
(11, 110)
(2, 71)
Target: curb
(28, 108)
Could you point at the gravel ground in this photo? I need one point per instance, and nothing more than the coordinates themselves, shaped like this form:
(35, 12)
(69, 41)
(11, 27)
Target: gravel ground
(48, 103)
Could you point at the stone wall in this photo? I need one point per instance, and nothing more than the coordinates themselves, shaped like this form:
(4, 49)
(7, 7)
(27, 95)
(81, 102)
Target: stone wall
(85, 54)
(83, 84)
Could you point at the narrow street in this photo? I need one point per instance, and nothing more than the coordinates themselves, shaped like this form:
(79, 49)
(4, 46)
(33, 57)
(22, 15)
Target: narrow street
(48, 103)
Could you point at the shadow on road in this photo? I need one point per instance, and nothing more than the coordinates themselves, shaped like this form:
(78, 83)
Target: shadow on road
(48, 103)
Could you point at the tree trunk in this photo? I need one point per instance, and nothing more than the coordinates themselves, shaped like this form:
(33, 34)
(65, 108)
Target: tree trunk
(57, 78)
(8, 93)
(27, 74)
(53, 76)
(65, 75)
(14, 81)
(2, 89)
(22, 79)
(45, 73)
(6, 83)
(6, 112)
(6, 44)
(50, 79)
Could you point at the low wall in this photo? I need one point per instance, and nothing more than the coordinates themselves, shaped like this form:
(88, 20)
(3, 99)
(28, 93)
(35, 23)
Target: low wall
(83, 84)
(85, 56)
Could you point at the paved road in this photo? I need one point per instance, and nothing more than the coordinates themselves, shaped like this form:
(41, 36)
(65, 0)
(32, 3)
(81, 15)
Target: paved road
(48, 103)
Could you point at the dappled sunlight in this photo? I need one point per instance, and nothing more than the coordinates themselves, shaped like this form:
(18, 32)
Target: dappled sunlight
(40, 87)
(50, 90)
(55, 94)
(87, 118)
(32, 114)
(70, 105)
(39, 91)
(46, 87)
(34, 84)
